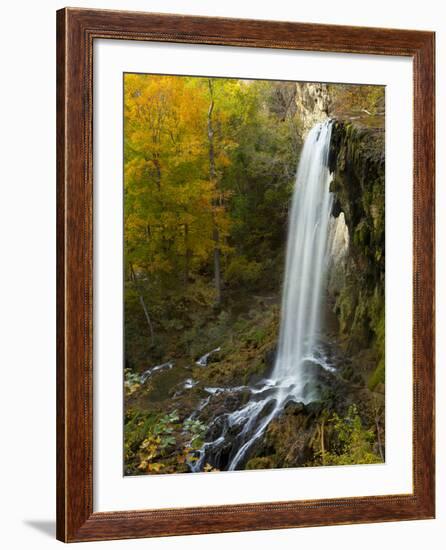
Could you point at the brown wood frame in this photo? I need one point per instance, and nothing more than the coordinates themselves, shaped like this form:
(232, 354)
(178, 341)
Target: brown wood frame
(76, 31)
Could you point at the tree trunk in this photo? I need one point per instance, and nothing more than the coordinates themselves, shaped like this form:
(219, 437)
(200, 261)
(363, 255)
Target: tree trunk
(143, 304)
(156, 164)
(322, 442)
(213, 177)
(217, 266)
(188, 254)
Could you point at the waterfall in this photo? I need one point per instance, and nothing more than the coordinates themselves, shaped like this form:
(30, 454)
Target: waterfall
(306, 260)
(305, 275)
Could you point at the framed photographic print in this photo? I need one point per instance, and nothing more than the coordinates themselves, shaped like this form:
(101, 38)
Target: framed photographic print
(245, 275)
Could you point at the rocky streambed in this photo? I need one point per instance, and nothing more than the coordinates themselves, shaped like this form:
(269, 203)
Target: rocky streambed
(209, 420)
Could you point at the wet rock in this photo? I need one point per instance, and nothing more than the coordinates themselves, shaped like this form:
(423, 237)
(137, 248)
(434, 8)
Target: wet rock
(312, 103)
(270, 357)
(215, 429)
(315, 408)
(265, 368)
(213, 356)
(295, 408)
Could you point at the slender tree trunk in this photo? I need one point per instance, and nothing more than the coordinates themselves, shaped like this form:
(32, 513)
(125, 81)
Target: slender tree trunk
(322, 441)
(143, 304)
(217, 265)
(213, 177)
(157, 165)
(378, 435)
(188, 254)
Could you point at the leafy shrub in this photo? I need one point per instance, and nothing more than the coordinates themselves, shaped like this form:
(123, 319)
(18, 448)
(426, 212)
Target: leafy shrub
(132, 381)
(352, 443)
(242, 271)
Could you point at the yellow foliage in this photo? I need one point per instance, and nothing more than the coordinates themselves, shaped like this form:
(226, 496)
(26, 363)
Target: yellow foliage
(171, 205)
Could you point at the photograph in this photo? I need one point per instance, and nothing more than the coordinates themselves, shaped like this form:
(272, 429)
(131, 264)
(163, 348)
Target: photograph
(224, 250)
(253, 274)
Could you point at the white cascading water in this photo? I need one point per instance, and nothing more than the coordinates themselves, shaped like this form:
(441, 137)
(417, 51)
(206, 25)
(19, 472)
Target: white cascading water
(306, 259)
(305, 271)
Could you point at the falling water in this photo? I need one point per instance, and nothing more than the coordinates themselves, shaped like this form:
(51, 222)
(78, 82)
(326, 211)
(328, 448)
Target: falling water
(305, 259)
(305, 270)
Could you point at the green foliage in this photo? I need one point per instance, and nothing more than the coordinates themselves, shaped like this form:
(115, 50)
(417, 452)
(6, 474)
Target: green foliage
(352, 444)
(196, 429)
(242, 271)
(160, 443)
(132, 381)
(148, 440)
(136, 428)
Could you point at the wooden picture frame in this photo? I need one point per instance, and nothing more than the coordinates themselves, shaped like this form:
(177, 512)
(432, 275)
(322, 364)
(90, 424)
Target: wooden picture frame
(76, 31)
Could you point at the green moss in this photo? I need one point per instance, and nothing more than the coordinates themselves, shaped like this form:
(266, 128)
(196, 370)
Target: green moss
(357, 162)
(377, 376)
(261, 463)
(250, 341)
(361, 236)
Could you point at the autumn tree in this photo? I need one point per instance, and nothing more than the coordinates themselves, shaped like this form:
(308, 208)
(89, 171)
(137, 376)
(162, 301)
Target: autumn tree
(209, 166)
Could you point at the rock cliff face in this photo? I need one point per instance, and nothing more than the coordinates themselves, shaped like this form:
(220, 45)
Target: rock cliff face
(357, 162)
(312, 104)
